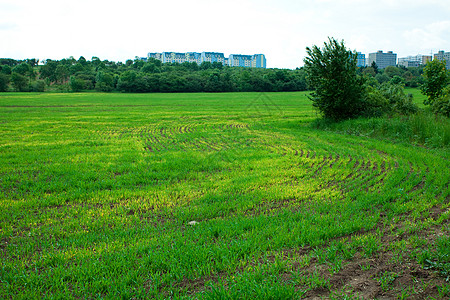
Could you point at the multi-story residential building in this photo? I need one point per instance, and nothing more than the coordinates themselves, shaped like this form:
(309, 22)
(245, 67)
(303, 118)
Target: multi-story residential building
(383, 60)
(213, 57)
(234, 60)
(413, 61)
(259, 61)
(155, 55)
(194, 57)
(441, 55)
(360, 60)
(239, 60)
(173, 57)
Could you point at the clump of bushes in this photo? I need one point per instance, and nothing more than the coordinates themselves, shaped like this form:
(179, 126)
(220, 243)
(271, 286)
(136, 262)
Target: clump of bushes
(388, 98)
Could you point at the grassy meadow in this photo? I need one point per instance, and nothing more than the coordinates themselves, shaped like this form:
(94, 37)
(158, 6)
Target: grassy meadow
(99, 193)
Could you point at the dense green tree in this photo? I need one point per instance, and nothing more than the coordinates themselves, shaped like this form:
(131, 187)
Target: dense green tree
(374, 66)
(127, 81)
(398, 80)
(129, 63)
(9, 62)
(217, 65)
(407, 76)
(6, 69)
(104, 82)
(138, 64)
(337, 89)
(392, 71)
(194, 82)
(150, 68)
(76, 84)
(206, 65)
(4, 81)
(82, 61)
(77, 67)
(38, 86)
(436, 79)
(171, 83)
(190, 66)
(19, 82)
(382, 78)
(23, 69)
(369, 71)
(62, 73)
(48, 70)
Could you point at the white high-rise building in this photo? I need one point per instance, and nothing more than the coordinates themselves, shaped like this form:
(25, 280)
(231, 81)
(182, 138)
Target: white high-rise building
(413, 61)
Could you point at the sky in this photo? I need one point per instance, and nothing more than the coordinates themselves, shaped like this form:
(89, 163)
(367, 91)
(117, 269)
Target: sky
(280, 29)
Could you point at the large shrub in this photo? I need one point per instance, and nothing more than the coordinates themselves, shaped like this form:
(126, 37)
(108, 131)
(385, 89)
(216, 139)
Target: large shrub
(38, 86)
(76, 84)
(388, 98)
(19, 82)
(338, 92)
(436, 79)
(442, 104)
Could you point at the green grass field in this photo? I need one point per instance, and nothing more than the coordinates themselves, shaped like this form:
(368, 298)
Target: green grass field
(98, 192)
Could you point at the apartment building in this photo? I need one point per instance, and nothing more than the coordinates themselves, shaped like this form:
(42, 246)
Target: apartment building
(239, 60)
(213, 57)
(383, 60)
(259, 61)
(234, 60)
(414, 61)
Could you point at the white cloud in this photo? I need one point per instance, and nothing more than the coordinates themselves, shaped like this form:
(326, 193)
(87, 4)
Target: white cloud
(433, 36)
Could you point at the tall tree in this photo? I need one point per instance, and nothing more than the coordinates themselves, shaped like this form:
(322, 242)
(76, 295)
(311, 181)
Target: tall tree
(436, 79)
(4, 81)
(19, 82)
(62, 73)
(48, 71)
(331, 72)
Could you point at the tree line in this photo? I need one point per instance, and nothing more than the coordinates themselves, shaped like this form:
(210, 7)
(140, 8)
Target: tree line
(138, 76)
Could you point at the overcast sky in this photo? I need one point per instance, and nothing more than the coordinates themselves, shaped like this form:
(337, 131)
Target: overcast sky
(281, 29)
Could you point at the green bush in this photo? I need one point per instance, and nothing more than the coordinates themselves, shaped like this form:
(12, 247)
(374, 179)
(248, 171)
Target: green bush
(38, 86)
(436, 78)
(376, 103)
(441, 105)
(398, 101)
(388, 98)
(76, 84)
(20, 82)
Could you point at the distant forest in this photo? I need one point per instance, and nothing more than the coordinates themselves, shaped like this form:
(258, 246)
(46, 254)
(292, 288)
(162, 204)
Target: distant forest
(153, 76)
